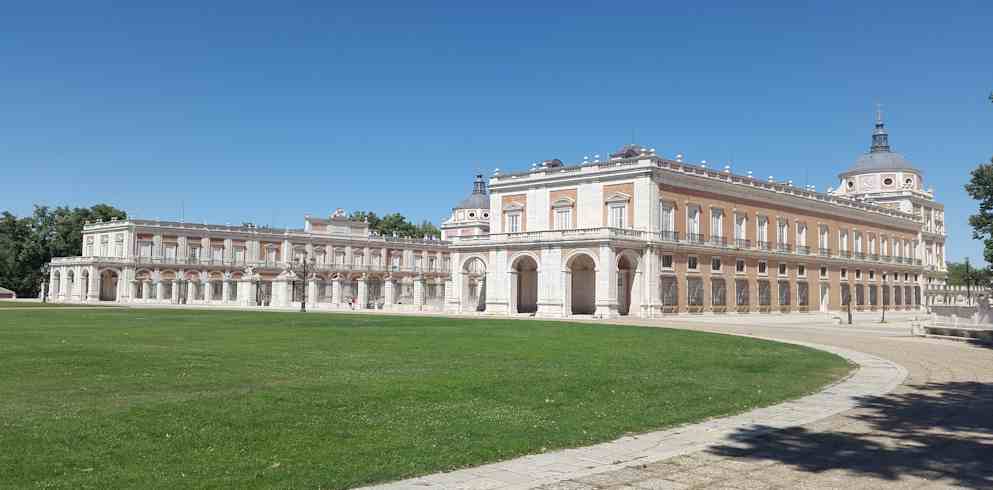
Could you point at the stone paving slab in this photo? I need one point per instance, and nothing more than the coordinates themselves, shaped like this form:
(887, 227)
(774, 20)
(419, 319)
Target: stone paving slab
(609, 460)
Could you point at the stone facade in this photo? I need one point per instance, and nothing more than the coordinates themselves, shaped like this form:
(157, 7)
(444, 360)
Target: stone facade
(639, 234)
(156, 262)
(634, 234)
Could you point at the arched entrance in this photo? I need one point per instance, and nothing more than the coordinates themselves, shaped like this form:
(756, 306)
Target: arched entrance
(108, 285)
(582, 284)
(524, 284)
(626, 268)
(474, 289)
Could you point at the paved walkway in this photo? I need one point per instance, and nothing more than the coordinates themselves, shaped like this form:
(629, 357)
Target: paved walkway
(918, 414)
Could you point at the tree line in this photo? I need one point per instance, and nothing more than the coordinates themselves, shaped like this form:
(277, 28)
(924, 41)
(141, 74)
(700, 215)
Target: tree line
(28, 243)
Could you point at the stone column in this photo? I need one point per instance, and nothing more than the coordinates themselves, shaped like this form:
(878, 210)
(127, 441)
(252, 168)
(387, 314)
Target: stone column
(363, 299)
(159, 291)
(93, 291)
(513, 282)
(191, 291)
(606, 283)
(246, 292)
(225, 290)
(133, 289)
(419, 292)
(312, 291)
(389, 292)
(173, 291)
(566, 292)
(336, 291)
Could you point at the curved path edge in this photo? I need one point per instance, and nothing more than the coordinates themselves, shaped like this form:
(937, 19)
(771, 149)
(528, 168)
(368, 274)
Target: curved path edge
(874, 376)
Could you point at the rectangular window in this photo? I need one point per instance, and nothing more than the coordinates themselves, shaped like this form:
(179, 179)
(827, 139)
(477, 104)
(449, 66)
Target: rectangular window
(740, 225)
(765, 293)
(563, 218)
(802, 294)
(763, 267)
(239, 255)
(844, 273)
(170, 252)
(694, 291)
(858, 274)
(617, 214)
(824, 272)
(801, 270)
(667, 217)
(843, 240)
(691, 263)
(669, 291)
(784, 293)
(872, 275)
(513, 222)
(718, 292)
(782, 232)
(693, 220)
(801, 234)
(667, 262)
(716, 222)
(762, 229)
(782, 269)
(715, 264)
(741, 292)
(739, 266)
(145, 249)
(823, 239)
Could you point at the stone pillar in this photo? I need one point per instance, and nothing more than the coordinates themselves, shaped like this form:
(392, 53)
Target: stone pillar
(159, 291)
(246, 292)
(93, 292)
(419, 292)
(606, 283)
(566, 292)
(191, 291)
(225, 290)
(174, 293)
(513, 282)
(363, 299)
(336, 291)
(133, 289)
(312, 291)
(389, 292)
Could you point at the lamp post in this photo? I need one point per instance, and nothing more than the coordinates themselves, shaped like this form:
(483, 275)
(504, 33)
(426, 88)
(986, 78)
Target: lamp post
(303, 267)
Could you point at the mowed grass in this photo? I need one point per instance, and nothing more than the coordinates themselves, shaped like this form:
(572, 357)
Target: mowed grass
(6, 303)
(135, 398)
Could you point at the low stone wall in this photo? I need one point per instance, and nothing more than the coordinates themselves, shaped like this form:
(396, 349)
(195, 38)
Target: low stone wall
(954, 311)
(966, 333)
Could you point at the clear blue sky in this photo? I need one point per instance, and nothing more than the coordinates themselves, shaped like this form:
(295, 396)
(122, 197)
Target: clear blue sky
(264, 113)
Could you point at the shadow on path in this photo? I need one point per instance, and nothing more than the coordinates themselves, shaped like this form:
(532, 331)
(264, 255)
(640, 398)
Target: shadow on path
(937, 430)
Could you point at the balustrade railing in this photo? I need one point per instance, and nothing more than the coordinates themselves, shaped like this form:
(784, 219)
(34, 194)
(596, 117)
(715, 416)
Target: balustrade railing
(803, 250)
(742, 243)
(824, 252)
(696, 238)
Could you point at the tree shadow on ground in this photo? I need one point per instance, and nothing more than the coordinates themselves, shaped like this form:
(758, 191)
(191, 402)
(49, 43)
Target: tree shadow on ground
(935, 431)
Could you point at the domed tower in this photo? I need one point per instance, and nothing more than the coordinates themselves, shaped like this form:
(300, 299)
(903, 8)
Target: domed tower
(887, 179)
(882, 174)
(472, 215)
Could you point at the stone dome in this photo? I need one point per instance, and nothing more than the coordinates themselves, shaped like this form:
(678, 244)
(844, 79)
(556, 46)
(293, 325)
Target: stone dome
(880, 158)
(478, 199)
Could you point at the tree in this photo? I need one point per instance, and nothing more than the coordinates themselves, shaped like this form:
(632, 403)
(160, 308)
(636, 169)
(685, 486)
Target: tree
(980, 188)
(396, 224)
(28, 243)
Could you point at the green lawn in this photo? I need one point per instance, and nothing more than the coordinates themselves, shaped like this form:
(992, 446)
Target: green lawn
(39, 304)
(135, 398)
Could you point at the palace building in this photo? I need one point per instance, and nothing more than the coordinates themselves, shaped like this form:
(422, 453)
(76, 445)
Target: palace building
(157, 262)
(633, 234)
(639, 234)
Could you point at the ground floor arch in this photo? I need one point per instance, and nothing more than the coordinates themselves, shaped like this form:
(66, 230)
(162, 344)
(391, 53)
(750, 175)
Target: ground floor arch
(627, 267)
(581, 284)
(524, 284)
(109, 280)
(474, 284)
